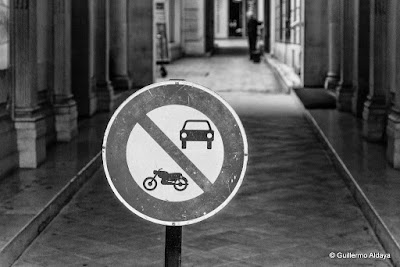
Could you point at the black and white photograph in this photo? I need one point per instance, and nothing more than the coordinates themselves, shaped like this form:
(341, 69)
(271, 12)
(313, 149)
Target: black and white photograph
(199, 133)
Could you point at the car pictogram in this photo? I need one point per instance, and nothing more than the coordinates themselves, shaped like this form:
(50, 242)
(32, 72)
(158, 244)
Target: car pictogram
(196, 130)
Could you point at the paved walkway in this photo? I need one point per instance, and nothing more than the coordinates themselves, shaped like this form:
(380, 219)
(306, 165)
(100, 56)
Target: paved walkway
(226, 72)
(293, 208)
(367, 164)
(374, 183)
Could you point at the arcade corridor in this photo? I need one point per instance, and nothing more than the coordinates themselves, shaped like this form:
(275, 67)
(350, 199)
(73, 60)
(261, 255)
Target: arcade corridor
(319, 100)
(293, 208)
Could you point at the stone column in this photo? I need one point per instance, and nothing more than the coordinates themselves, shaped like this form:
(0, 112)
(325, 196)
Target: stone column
(29, 120)
(374, 114)
(361, 56)
(83, 56)
(332, 79)
(141, 43)
(119, 44)
(314, 43)
(65, 109)
(105, 91)
(393, 127)
(344, 90)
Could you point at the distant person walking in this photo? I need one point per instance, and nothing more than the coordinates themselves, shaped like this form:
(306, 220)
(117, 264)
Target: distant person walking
(252, 25)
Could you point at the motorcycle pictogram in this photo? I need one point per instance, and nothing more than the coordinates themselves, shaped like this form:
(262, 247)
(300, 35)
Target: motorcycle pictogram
(179, 182)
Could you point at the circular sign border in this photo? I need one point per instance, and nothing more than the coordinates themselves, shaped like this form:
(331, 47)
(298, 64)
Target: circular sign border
(218, 208)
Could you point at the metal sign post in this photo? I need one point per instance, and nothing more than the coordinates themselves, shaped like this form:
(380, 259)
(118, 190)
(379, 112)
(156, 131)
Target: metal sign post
(174, 153)
(173, 246)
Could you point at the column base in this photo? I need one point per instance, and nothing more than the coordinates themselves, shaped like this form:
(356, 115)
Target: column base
(344, 98)
(358, 101)
(48, 112)
(374, 116)
(66, 119)
(331, 82)
(31, 141)
(87, 104)
(8, 144)
(393, 139)
(105, 96)
(121, 83)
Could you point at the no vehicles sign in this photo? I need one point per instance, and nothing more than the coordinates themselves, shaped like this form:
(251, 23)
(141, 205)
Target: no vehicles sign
(175, 153)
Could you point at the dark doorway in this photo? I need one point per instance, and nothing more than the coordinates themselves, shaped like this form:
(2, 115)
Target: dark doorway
(236, 27)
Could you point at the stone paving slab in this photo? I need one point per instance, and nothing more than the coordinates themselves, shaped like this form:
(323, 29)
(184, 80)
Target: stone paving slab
(293, 209)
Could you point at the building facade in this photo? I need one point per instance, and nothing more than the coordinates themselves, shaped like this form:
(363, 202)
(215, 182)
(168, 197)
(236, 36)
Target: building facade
(61, 60)
(351, 48)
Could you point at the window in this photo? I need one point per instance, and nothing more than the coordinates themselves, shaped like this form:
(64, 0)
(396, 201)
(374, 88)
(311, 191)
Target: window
(282, 11)
(295, 21)
(278, 24)
(288, 21)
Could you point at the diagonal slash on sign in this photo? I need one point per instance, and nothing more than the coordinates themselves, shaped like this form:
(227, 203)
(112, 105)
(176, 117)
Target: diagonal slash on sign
(175, 153)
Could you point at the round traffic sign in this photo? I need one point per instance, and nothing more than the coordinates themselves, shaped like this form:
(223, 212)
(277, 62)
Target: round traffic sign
(175, 153)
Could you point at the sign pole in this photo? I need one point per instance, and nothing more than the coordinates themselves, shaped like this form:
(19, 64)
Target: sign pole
(173, 242)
